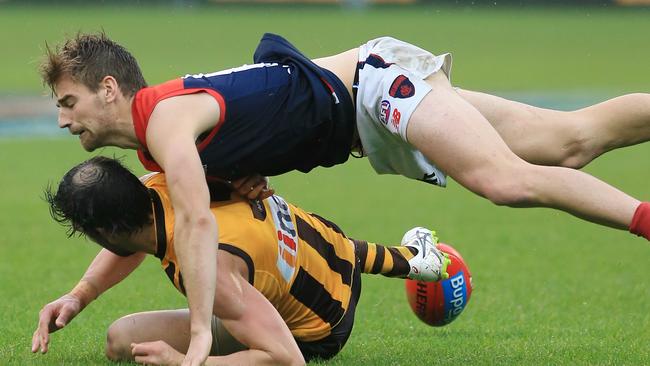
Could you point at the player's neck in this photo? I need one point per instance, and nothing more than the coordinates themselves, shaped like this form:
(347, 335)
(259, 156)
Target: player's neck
(124, 131)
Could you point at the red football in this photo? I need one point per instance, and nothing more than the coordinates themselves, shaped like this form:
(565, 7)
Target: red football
(439, 303)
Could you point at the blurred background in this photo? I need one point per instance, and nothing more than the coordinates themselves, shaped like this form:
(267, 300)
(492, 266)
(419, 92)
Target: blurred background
(530, 50)
(549, 288)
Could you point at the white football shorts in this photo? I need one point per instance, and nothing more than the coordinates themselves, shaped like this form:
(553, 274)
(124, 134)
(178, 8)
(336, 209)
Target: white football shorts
(390, 86)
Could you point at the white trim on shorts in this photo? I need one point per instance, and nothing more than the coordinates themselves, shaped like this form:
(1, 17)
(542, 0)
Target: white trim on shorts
(391, 86)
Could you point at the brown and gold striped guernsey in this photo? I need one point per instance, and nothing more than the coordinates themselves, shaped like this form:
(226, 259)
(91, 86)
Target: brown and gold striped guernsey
(303, 264)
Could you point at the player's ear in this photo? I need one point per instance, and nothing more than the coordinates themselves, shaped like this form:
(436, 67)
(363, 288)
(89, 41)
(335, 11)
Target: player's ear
(109, 88)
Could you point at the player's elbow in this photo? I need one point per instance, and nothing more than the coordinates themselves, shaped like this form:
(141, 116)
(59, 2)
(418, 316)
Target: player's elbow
(199, 220)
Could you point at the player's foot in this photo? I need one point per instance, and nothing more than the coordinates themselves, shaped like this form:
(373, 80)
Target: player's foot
(430, 264)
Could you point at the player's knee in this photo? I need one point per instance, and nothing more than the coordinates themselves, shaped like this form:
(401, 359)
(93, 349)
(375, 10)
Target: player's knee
(579, 144)
(510, 194)
(509, 188)
(118, 344)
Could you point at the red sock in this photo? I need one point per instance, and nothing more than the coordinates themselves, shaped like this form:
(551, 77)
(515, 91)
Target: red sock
(641, 221)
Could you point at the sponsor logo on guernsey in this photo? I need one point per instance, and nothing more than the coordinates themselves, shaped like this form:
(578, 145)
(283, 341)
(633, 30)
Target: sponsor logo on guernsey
(402, 87)
(455, 293)
(287, 236)
(384, 113)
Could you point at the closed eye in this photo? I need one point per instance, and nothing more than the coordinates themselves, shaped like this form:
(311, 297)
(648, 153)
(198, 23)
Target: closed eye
(65, 102)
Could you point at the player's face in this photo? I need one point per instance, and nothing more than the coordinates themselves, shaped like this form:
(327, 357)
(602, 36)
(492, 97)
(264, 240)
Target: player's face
(82, 112)
(116, 243)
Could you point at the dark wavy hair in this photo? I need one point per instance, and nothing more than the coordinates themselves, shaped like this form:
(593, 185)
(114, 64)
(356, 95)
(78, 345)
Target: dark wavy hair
(100, 193)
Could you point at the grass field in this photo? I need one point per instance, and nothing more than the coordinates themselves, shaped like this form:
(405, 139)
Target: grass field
(495, 48)
(549, 288)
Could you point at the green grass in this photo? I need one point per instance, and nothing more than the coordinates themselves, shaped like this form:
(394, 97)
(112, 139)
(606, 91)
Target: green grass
(495, 48)
(549, 288)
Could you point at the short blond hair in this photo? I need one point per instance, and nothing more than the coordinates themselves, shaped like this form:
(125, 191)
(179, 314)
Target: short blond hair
(88, 58)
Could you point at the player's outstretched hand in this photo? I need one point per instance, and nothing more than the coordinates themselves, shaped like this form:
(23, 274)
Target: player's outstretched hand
(53, 317)
(253, 187)
(156, 353)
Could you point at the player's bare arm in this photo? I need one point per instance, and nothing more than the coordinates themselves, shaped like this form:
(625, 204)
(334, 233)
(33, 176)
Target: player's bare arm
(105, 271)
(247, 315)
(174, 126)
(251, 319)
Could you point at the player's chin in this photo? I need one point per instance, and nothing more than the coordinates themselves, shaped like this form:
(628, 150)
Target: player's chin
(88, 144)
(89, 148)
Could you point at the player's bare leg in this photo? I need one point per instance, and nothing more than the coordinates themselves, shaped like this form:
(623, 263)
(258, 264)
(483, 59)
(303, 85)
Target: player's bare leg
(571, 139)
(170, 326)
(458, 139)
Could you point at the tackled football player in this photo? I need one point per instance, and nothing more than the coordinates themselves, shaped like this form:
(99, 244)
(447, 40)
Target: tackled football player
(289, 280)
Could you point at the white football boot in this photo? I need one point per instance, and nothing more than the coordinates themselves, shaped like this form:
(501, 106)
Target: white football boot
(430, 264)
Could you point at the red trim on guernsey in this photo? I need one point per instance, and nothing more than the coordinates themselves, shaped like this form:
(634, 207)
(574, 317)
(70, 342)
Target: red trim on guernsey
(332, 91)
(146, 100)
(148, 162)
(328, 85)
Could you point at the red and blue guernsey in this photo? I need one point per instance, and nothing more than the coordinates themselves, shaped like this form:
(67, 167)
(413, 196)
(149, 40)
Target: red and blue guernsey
(280, 114)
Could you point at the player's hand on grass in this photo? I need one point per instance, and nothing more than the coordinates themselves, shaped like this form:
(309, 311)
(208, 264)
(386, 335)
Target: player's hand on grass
(156, 353)
(253, 187)
(199, 349)
(53, 317)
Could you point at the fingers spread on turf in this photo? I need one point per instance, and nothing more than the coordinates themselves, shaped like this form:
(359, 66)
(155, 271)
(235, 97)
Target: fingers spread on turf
(35, 341)
(39, 342)
(45, 340)
(42, 333)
